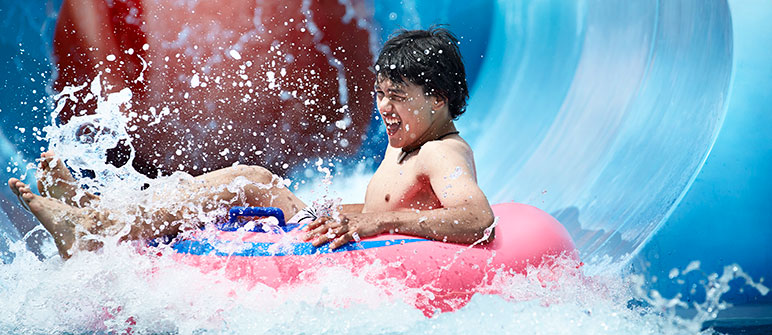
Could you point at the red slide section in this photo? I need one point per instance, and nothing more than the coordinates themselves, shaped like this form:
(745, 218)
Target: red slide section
(214, 82)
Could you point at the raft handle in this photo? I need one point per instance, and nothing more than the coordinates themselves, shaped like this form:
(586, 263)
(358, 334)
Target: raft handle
(235, 212)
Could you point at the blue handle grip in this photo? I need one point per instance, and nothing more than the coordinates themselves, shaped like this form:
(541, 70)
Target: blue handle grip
(235, 212)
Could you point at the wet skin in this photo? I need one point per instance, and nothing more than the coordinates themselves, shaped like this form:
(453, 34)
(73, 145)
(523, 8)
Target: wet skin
(431, 192)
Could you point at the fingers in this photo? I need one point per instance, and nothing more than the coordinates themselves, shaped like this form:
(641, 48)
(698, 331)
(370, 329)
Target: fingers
(326, 229)
(337, 241)
(341, 241)
(324, 220)
(316, 223)
(317, 232)
(314, 228)
(330, 231)
(322, 239)
(325, 234)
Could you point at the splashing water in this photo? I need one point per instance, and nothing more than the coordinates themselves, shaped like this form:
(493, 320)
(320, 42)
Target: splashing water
(118, 288)
(85, 140)
(124, 286)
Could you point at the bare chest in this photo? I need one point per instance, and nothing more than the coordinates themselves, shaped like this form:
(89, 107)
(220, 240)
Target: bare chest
(399, 187)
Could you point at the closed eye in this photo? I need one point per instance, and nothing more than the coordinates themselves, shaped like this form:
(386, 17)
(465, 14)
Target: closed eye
(397, 98)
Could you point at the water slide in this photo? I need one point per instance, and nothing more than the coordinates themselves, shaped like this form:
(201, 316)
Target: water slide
(621, 119)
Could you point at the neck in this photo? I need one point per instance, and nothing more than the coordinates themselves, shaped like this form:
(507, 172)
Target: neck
(430, 135)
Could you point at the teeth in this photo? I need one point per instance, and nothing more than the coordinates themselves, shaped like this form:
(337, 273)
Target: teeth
(390, 121)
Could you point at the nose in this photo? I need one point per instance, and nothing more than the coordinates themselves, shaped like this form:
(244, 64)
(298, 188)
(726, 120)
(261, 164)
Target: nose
(384, 105)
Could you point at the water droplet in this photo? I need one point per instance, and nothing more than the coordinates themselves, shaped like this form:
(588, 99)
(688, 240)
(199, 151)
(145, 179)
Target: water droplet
(194, 82)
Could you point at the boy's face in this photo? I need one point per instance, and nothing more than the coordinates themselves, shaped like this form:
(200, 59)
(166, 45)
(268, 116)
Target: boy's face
(406, 111)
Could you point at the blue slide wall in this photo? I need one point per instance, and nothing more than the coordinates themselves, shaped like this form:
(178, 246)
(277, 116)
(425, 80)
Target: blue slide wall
(642, 125)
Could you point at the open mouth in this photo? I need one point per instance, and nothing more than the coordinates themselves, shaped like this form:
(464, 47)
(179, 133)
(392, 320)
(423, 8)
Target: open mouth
(393, 123)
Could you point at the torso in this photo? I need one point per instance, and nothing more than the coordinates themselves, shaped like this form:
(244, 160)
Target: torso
(403, 185)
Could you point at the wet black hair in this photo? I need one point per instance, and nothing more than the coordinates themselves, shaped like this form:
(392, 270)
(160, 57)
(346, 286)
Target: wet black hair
(430, 59)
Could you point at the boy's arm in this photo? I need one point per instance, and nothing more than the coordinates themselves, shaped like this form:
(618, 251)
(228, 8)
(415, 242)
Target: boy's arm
(351, 208)
(464, 217)
(466, 213)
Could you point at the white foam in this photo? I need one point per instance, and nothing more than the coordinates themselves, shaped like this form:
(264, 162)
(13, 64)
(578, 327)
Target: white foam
(117, 288)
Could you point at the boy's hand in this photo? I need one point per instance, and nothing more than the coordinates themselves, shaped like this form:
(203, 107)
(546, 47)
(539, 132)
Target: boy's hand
(346, 228)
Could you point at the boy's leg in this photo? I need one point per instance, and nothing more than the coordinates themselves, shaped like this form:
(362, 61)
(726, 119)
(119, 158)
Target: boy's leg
(56, 181)
(263, 188)
(67, 224)
(233, 186)
(221, 189)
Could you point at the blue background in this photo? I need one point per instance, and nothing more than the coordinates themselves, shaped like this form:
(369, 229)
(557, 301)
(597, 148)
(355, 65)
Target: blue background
(698, 79)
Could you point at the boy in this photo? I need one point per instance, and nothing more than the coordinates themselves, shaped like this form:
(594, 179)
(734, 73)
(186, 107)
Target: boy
(425, 186)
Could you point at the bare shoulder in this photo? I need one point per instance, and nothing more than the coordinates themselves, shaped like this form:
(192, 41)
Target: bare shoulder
(447, 148)
(450, 168)
(446, 154)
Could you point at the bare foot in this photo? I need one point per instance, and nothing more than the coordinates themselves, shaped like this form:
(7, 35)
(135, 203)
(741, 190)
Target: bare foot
(66, 223)
(56, 181)
(14, 184)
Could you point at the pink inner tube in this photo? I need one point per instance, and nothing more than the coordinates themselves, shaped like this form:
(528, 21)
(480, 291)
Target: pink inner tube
(525, 235)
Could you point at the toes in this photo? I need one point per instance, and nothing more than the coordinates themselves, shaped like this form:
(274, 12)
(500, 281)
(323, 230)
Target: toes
(47, 156)
(19, 186)
(12, 184)
(23, 188)
(28, 196)
(45, 164)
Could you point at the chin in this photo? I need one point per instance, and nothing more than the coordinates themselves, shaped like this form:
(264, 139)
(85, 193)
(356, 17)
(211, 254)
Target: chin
(396, 141)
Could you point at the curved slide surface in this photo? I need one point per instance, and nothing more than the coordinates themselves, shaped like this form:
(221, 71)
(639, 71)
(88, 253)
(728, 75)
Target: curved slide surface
(601, 113)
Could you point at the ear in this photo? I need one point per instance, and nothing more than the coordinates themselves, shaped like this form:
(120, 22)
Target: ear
(438, 102)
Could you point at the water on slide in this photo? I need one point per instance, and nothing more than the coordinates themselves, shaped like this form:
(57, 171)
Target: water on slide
(589, 110)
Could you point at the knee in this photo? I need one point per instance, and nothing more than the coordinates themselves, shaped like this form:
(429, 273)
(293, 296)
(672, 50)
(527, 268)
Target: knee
(253, 173)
